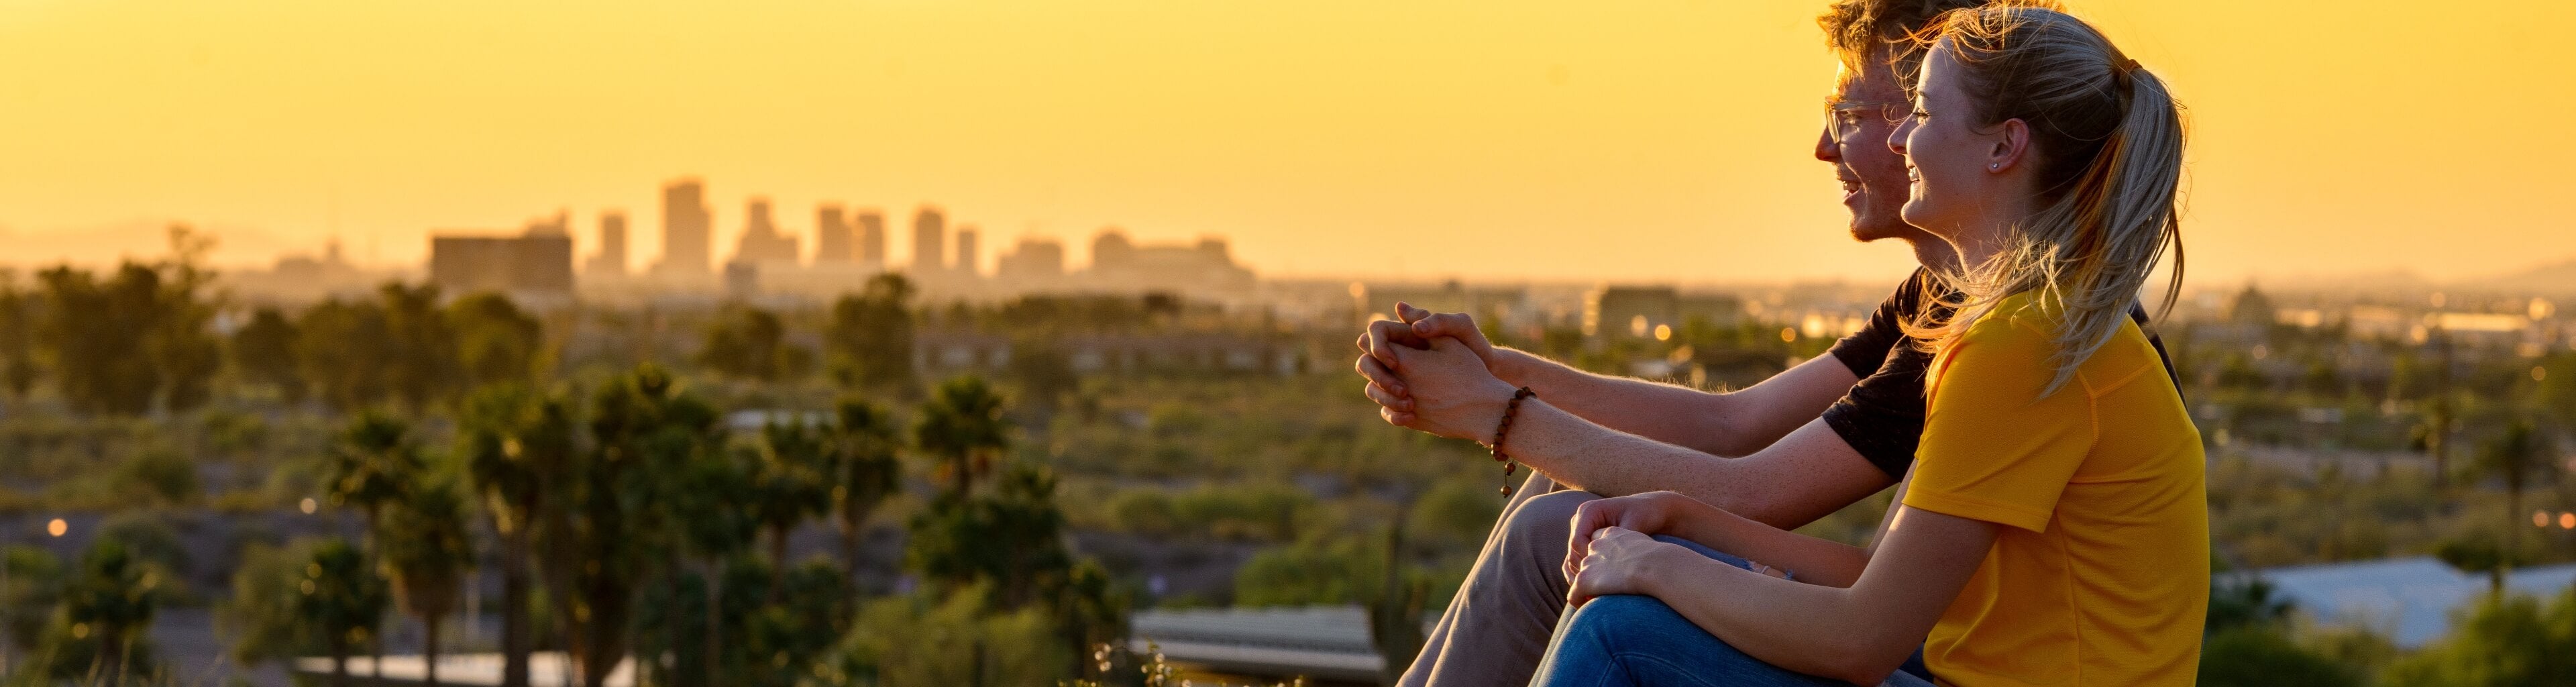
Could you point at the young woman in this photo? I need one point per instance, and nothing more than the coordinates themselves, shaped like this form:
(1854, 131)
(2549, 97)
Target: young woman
(2054, 528)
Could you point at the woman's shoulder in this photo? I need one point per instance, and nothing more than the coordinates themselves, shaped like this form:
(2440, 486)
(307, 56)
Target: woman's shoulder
(2019, 320)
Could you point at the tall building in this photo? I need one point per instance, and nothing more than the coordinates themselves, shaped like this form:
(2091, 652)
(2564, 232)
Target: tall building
(966, 256)
(538, 261)
(872, 238)
(831, 235)
(611, 259)
(761, 241)
(687, 228)
(1034, 260)
(929, 241)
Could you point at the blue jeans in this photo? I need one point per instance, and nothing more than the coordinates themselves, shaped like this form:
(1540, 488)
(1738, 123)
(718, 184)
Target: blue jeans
(1629, 639)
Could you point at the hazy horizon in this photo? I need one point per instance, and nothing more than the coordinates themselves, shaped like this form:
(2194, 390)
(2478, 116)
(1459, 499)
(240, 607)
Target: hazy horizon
(1479, 141)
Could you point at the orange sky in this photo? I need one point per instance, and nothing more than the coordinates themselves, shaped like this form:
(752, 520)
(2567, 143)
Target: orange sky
(1654, 139)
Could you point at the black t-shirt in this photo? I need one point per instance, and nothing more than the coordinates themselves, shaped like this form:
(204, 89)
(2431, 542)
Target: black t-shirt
(1882, 416)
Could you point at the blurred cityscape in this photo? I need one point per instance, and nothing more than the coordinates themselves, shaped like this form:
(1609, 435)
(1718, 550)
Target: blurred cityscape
(210, 476)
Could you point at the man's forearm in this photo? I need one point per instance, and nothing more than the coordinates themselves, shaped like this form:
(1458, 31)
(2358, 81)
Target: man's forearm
(1664, 412)
(1729, 424)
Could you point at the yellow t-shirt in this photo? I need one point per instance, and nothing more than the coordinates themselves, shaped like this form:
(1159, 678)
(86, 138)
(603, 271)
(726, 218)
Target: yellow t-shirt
(2100, 575)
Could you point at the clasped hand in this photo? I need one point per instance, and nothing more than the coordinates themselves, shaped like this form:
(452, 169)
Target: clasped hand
(1433, 372)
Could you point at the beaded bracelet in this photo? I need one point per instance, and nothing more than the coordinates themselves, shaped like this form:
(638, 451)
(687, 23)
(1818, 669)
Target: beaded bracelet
(1505, 427)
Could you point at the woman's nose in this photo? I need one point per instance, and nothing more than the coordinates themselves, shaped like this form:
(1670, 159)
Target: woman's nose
(1896, 137)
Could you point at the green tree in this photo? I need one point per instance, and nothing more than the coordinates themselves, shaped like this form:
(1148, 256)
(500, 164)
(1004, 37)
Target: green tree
(2479, 552)
(962, 425)
(495, 341)
(1044, 372)
(420, 365)
(604, 525)
(18, 322)
(263, 351)
(372, 462)
(343, 349)
(2502, 641)
(183, 345)
(2518, 456)
(371, 465)
(2262, 655)
(510, 438)
(263, 614)
(88, 330)
(31, 584)
(107, 605)
(790, 482)
(425, 556)
(864, 469)
(156, 476)
(870, 338)
(342, 602)
(750, 343)
(1011, 539)
(705, 502)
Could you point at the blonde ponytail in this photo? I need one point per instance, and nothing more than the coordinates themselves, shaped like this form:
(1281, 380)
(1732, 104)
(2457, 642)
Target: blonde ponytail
(2107, 140)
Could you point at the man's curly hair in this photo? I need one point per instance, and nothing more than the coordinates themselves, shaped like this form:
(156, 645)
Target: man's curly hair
(1863, 30)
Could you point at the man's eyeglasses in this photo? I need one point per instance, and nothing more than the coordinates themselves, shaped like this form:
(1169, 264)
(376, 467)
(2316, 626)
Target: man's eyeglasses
(1844, 117)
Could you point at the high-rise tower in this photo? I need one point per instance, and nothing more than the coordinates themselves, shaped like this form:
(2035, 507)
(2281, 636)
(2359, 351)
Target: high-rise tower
(872, 239)
(611, 259)
(929, 241)
(831, 235)
(687, 228)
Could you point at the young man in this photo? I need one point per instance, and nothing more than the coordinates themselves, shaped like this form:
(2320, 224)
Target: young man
(1800, 445)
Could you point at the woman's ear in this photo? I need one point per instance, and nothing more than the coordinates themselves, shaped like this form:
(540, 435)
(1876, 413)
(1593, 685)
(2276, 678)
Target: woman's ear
(2011, 142)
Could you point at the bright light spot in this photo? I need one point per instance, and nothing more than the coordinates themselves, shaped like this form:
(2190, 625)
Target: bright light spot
(1789, 334)
(2567, 521)
(307, 505)
(1637, 326)
(2541, 308)
(2539, 373)
(2540, 518)
(57, 527)
(80, 630)
(1663, 332)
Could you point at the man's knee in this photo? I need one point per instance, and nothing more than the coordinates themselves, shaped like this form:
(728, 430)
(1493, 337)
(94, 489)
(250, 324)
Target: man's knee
(1541, 524)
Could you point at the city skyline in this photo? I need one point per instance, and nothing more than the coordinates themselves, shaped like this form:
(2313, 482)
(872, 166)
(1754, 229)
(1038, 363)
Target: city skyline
(1475, 141)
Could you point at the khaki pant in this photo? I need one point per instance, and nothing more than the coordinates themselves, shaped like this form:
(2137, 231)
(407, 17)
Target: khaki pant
(1496, 629)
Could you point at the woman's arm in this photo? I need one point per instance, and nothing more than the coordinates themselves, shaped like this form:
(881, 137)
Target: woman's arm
(1861, 633)
(1812, 560)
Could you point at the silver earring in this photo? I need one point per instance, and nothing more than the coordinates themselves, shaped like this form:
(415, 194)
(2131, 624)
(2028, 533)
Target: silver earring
(1997, 165)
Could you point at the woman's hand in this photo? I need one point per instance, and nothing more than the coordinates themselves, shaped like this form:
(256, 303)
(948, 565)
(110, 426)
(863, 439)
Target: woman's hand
(1646, 513)
(1452, 394)
(1619, 561)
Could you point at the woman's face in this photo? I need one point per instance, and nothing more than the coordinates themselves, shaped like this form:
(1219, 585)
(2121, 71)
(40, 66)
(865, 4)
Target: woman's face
(1953, 167)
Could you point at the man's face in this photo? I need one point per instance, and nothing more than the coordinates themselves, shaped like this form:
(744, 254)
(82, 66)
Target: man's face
(1864, 109)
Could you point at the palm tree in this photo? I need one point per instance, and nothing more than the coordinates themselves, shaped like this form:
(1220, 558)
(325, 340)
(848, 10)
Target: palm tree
(509, 436)
(790, 482)
(371, 464)
(963, 424)
(425, 555)
(112, 599)
(863, 468)
(342, 601)
(2519, 456)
